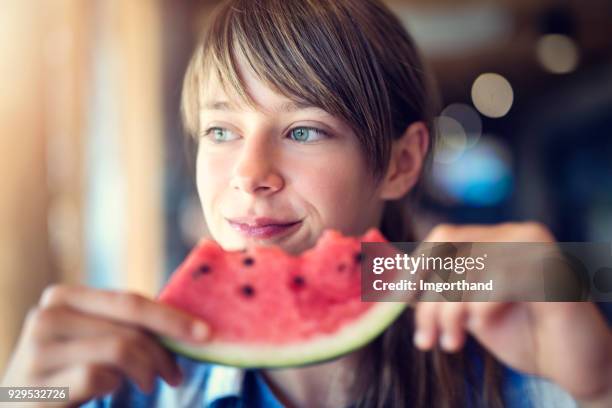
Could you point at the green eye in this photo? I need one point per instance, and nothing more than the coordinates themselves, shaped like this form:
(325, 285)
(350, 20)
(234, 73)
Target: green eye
(306, 134)
(218, 134)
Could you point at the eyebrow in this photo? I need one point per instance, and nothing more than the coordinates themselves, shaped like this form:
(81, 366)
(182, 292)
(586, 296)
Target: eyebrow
(283, 107)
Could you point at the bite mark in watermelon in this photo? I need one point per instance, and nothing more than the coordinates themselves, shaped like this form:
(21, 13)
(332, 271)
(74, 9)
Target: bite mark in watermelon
(267, 308)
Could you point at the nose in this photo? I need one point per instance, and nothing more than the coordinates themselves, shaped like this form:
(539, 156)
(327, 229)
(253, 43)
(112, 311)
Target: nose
(255, 172)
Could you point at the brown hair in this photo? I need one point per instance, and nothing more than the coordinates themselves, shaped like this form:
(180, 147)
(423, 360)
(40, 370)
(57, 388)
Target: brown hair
(355, 60)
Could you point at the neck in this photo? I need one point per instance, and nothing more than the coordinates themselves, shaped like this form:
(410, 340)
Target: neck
(323, 385)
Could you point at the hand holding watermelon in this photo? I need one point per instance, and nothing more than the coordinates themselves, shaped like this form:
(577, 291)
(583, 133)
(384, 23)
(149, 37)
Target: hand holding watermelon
(528, 336)
(92, 339)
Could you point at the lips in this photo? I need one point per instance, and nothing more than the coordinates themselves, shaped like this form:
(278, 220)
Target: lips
(263, 227)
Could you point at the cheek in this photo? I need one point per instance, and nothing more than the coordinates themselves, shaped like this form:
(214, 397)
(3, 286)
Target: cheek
(340, 191)
(212, 174)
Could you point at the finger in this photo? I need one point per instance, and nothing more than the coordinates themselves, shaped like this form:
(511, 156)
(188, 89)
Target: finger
(128, 308)
(426, 331)
(482, 314)
(134, 353)
(61, 322)
(130, 360)
(452, 321)
(85, 382)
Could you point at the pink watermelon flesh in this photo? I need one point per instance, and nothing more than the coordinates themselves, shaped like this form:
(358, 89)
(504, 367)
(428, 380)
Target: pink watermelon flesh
(263, 299)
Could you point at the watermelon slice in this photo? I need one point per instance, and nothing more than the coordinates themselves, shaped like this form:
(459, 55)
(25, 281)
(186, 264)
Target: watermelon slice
(267, 308)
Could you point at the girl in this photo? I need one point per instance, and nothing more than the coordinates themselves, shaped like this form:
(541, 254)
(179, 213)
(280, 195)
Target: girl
(310, 115)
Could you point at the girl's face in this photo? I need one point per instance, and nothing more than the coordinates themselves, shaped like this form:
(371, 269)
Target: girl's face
(280, 173)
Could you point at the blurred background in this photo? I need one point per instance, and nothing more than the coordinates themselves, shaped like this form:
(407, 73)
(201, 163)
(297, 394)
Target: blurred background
(96, 180)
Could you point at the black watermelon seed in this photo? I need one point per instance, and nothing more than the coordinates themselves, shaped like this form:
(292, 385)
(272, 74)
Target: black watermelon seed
(248, 291)
(204, 269)
(248, 261)
(358, 257)
(299, 281)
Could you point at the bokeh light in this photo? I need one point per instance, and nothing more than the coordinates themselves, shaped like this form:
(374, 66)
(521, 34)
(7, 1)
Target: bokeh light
(469, 119)
(557, 53)
(492, 95)
(482, 176)
(452, 139)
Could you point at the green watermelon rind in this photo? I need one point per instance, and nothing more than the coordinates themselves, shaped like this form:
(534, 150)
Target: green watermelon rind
(349, 337)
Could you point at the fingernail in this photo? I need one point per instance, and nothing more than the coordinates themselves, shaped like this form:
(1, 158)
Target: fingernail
(447, 342)
(199, 331)
(420, 339)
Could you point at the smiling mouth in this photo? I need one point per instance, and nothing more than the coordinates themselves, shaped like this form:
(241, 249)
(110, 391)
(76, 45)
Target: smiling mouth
(264, 229)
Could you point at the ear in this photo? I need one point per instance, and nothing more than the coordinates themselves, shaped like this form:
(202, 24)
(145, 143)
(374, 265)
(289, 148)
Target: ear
(407, 159)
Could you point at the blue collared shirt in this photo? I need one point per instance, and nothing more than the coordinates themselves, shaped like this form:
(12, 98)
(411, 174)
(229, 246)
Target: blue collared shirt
(213, 386)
